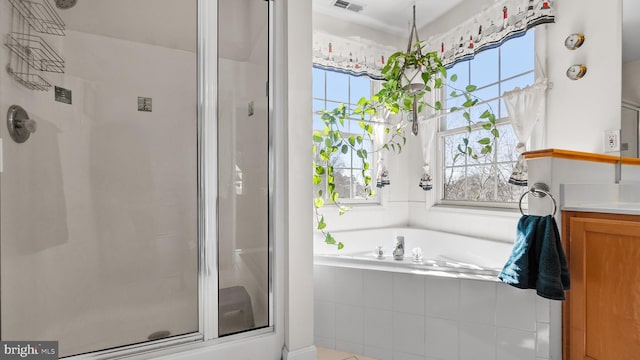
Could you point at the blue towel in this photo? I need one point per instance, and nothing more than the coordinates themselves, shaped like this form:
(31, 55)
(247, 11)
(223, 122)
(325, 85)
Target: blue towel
(537, 260)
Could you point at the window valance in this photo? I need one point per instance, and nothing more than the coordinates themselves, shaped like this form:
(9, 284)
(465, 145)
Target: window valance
(503, 20)
(355, 56)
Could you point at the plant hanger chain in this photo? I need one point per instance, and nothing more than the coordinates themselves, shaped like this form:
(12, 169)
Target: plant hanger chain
(414, 31)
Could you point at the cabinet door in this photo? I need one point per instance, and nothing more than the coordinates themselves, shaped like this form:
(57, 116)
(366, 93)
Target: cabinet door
(605, 294)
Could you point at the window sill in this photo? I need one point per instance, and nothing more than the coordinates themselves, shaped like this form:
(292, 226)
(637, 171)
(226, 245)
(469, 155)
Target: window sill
(506, 212)
(484, 223)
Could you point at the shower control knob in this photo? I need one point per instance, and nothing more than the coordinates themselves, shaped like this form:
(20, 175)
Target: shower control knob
(19, 125)
(28, 125)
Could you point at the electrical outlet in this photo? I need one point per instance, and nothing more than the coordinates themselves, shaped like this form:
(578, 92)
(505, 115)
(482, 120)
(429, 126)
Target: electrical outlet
(611, 140)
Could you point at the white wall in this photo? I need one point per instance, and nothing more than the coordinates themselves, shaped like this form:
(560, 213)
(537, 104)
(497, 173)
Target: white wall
(581, 109)
(345, 29)
(296, 67)
(631, 82)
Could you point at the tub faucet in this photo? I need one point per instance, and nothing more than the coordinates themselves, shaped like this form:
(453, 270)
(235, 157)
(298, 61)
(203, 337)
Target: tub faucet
(398, 249)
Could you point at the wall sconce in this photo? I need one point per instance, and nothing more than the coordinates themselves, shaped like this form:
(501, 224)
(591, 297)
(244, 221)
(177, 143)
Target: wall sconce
(576, 72)
(574, 41)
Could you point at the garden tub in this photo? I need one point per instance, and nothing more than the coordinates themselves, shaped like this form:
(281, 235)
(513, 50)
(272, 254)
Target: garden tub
(449, 305)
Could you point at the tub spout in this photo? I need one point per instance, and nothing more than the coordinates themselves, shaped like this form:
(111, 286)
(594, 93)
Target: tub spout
(398, 249)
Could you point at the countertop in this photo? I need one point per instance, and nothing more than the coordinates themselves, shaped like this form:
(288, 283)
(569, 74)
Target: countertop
(627, 208)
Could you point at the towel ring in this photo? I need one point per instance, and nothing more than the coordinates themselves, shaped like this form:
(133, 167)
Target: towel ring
(539, 190)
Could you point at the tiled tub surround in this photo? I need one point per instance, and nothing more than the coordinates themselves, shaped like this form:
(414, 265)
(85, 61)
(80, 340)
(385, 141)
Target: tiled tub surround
(391, 312)
(388, 315)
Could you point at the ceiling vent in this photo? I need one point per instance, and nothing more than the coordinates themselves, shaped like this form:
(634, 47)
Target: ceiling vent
(348, 5)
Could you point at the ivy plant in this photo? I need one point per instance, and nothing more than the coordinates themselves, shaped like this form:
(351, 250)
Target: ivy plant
(394, 97)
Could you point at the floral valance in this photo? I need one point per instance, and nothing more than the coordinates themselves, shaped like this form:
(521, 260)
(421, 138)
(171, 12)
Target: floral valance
(354, 56)
(500, 22)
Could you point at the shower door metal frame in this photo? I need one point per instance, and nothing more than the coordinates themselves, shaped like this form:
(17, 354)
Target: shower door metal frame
(207, 117)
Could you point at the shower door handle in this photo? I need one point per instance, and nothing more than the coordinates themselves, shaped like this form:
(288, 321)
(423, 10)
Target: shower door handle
(19, 124)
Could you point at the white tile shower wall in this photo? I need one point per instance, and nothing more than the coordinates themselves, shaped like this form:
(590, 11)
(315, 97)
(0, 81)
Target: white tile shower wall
(405, 316)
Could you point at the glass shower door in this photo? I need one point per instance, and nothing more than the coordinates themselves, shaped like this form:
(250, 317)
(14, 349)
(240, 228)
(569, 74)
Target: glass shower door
(243, 166)
(99, 207)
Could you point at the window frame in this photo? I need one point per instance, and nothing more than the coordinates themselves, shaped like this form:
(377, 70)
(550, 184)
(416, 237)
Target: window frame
(375, 199)
(440, 154)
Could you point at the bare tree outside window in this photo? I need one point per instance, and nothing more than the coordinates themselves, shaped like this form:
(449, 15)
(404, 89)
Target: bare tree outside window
(495, 71)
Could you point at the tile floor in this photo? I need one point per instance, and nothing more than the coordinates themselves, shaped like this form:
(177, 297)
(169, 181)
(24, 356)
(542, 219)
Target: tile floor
(330, 354)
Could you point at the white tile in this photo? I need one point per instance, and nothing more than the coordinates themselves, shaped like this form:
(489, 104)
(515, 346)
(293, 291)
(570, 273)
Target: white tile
(408, 293)
(477, 341)
(516, 308)
(408, 333)
(478, 301)
(378, 328)
(349, 347)
(379, 354)
(441, 338)
(399, 355)
(542, 340)
(324, 342)
(349, 324)
(442, 297)
(348, 286)
(542, 309)
(324, 319)
(323, 281)
(515, 344)
(378, 289)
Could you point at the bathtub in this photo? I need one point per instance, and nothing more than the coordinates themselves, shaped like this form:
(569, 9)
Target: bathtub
(443, 254)
(450, 305)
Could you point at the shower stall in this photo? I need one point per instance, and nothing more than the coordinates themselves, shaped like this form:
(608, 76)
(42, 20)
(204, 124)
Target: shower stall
(135, 176)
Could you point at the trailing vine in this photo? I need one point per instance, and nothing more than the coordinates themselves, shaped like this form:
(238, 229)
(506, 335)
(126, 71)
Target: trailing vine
(393, 97)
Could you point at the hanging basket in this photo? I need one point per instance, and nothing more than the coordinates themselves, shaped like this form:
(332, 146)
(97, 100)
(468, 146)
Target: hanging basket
(411, 80)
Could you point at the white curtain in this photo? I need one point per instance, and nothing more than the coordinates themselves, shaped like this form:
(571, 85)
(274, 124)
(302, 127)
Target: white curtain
(525, 107)
(427, 135)
(380, 137)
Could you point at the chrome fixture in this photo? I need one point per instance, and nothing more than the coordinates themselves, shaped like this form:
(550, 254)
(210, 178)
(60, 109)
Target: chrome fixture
(379, 252)
(398, 249)
(574, 41)
(19, 125)
(416, 254)
(577, 71)
(539, 190)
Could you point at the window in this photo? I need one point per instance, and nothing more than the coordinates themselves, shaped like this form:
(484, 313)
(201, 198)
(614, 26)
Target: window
(494, 71)
(330, 89)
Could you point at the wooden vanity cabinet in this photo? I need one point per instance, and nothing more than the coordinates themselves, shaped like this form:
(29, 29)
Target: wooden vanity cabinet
(601, 316)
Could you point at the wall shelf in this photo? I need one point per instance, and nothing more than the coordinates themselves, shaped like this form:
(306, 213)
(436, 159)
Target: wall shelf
(40, 15)
(29, 80)
(36, 52)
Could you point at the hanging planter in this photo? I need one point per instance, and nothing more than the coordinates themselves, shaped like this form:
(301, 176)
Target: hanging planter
(411, 80)
(408, 76)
